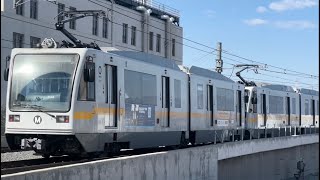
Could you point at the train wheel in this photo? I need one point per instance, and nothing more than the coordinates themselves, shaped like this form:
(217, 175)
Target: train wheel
(183, 141)
(46, 156)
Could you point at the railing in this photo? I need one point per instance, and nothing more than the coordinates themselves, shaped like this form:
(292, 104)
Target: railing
(159, 6)
(238, 134)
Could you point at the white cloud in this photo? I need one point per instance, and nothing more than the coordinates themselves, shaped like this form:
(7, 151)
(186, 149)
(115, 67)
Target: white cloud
(284, 5)
(295, 24)
(261, 9)
(210, 13)
(255, 22)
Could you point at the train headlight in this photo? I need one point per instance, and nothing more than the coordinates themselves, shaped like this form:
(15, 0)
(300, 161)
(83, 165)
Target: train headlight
(14, 118)
(62, 119)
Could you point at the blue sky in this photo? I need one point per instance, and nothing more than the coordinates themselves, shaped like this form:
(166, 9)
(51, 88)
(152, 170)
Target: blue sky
(282, 33)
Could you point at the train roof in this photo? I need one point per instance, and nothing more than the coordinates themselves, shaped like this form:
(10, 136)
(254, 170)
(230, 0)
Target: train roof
(309, 92)
(208, 73)
(149, 58)
(278, 87)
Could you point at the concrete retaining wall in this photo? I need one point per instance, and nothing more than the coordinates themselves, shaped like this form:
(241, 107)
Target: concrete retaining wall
(187, 164)
(276, 164)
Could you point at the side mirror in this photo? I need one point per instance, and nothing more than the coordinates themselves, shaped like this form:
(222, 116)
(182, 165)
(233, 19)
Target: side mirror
(6, 71)
(6, 74)
(89, 72)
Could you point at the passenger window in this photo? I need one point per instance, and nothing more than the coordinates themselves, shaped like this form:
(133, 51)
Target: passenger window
(276, 104)
(200, 96)
(177, 93)
(317, 107)
(293, 106)
(254, 102)
(86, 89)
(140, 88)
(306, 110)
(225, 99)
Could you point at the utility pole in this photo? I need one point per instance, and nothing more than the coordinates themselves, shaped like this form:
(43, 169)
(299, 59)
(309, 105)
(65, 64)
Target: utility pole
(219, 62)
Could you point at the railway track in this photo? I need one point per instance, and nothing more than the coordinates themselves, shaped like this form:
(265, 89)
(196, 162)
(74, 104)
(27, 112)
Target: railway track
(12, 167)
(7, 150)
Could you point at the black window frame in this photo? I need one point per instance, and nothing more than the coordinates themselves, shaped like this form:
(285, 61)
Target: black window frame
(124, 33)
(173, 47)
(20, 7)
(158, 44)
(16, 37)
(33, 9)
(105, 22)
(95, 25)
(133, 35)
(34, 41)
(72, 23)
(61, 8)
(151, 41)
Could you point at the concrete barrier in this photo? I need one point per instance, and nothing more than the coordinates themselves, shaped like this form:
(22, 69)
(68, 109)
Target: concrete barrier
(186, 164)
(240, 148)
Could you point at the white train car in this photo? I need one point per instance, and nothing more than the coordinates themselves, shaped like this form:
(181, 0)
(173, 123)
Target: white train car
(309, 100)
(271, 106)
(75, 100)
(216, 106)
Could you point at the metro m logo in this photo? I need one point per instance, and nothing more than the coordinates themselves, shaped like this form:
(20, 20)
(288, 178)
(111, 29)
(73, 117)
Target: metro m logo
(37, 119)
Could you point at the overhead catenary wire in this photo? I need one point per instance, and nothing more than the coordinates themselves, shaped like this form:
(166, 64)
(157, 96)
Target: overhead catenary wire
(214, 49)
(189, 46)
(305, 85)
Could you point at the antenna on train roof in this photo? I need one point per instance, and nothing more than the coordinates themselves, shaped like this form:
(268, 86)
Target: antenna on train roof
(247, 66)
(73, 15)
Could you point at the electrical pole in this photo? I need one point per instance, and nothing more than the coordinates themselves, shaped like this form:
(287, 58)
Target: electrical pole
(219, 62)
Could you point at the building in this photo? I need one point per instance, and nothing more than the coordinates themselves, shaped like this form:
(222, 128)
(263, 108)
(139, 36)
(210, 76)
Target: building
(135, 25)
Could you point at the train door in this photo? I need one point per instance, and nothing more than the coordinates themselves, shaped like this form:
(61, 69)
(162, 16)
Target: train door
(165, 102)
(264, 108)
(313, 108)
(300, 109)
(210, 104)
(246, 103)
(288, 110)
(111, 96)
(239, 112)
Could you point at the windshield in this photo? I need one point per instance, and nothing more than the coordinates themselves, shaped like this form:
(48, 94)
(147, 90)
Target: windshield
(42, 80)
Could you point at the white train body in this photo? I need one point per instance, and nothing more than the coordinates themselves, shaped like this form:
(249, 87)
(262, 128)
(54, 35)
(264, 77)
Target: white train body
(278, 106)
(82, 100)
(309, 107)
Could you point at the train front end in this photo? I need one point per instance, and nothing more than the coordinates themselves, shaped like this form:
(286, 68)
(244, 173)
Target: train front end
(40, 98)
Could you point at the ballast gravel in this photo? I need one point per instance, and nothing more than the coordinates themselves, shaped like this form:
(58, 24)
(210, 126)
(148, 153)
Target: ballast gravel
(18, 156)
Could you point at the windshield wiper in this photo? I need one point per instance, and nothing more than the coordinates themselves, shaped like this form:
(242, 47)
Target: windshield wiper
(36, 107)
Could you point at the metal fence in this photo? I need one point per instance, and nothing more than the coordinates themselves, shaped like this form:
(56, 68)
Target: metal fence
(159, 6)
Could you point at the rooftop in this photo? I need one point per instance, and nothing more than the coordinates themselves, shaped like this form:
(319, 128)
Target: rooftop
(157, 8)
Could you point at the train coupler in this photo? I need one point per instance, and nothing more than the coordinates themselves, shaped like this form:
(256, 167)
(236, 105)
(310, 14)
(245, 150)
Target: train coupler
(33, 144)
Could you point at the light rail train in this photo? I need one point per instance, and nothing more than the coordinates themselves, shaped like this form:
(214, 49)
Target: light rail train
(83, 100)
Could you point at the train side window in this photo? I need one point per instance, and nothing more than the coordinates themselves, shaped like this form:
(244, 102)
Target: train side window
(306, 110)
(225, 99)
(317, 107)
(177, 93)
(200, 96)
(293, 106)
(276, 104)
(86, 90)
(140, 88)
(254, 102)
